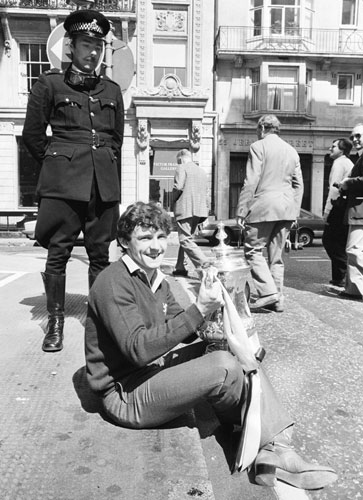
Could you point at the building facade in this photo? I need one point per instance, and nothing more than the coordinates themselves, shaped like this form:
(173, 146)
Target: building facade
(195, 74)
(161, 54)
(298, 59)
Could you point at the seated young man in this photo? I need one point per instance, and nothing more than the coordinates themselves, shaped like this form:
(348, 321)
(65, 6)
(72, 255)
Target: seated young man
(134, 321)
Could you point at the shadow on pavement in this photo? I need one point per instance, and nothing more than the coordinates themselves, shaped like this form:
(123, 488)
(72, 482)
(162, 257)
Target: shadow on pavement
(75, 307)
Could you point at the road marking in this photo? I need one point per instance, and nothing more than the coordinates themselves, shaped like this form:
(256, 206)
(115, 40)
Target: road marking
(14, 275)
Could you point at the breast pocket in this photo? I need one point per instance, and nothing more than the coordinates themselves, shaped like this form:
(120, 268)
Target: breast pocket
(68, 109)
(108, 111)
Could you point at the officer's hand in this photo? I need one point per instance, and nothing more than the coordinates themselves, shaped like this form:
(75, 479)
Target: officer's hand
(210, 296)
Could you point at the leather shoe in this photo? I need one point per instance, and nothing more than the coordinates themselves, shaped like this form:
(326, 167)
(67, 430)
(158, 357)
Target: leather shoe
(180, 272)
(351, 296)
(340, 284)
(277, 462)
(276, 307)
(267, 300)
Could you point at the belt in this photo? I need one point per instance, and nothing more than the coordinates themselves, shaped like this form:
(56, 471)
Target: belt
(94, 140)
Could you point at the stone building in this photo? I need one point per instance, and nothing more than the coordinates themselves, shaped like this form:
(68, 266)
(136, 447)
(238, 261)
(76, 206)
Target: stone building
(195, 74)
(298, 59)
(161, 54)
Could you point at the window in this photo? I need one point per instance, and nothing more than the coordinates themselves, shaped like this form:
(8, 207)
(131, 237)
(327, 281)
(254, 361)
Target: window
(345, 88)
(282, 88)
(285, 17)
(255, 87)
(170, 57)
(257, 6)
(308, 94)
(170, 43)
(33, 61)
(349, 11)
(282, 17)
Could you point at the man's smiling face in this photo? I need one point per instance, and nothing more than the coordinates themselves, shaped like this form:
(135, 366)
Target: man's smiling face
(147, 247)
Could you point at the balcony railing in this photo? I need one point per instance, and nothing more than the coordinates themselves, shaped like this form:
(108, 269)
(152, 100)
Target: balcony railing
(244, 39)
(103, 5)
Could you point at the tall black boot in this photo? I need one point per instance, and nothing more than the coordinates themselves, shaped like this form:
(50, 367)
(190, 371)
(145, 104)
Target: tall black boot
(55, 285)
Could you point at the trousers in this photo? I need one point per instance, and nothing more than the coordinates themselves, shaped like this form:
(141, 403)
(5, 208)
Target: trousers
(268, 275)
(186, 229)
(182, 379)
(334, 241)
(354, 249)
(59, 223)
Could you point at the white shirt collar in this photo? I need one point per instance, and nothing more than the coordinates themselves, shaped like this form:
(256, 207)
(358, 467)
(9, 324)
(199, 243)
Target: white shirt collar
(133, 267)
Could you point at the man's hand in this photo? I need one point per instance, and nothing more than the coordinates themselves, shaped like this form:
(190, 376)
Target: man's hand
(210, 296)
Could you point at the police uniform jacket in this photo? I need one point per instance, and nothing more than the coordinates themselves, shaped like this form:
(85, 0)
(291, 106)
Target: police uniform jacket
(87, 133)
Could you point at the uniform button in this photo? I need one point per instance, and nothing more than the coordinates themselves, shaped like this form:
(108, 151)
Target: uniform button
(67, 100)
(93, 131)
(92, 113)
(54, 154)
(94, 147)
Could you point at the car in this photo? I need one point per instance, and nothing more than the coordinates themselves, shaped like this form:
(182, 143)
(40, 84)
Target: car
(310, 227)
(29, 230)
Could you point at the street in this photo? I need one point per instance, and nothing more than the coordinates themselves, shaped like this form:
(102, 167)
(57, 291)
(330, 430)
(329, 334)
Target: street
(55, 446)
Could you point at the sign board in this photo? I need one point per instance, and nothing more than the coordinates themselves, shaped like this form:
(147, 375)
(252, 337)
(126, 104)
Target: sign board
(165, 162)
(123, 67)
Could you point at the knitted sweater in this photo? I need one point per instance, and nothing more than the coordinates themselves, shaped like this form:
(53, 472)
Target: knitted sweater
(129, 325)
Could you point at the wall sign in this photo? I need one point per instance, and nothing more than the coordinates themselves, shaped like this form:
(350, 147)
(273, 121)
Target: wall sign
(164, 162)
(240, 142)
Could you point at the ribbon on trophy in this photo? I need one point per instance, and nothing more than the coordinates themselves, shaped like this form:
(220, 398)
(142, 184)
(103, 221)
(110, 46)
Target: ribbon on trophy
(249, 353)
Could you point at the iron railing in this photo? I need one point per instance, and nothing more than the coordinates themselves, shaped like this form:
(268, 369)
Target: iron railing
(244, 39)
(102, 5)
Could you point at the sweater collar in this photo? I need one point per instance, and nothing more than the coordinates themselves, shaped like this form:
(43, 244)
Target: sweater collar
(133, 268)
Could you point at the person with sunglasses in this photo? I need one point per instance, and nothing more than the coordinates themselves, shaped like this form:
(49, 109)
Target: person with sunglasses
(352, 186)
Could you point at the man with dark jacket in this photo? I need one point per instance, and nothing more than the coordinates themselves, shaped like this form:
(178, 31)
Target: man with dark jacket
(79, 183)
(148, 366)
(352, 186)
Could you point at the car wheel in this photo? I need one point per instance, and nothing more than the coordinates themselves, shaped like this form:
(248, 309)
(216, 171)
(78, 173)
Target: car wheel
(228, 240)
(305, 237)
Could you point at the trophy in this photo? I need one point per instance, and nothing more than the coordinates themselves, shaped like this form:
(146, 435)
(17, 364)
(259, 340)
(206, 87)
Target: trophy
(233, 271)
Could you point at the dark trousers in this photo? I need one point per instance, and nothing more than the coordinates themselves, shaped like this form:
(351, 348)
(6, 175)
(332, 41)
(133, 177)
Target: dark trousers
(334, 240)
(60, 221)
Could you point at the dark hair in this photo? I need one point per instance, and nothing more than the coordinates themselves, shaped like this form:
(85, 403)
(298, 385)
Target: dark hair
(344, 145)
(144, 215)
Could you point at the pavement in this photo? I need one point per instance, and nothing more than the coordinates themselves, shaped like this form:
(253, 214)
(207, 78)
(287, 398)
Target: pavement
(56, 443)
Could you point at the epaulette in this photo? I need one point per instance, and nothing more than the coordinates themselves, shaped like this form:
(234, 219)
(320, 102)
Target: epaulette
(54, 71)
(108, 79)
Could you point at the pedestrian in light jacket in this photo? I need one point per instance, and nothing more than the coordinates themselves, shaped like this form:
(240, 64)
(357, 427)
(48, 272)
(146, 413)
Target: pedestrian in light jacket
(269, 203)
(190, 209)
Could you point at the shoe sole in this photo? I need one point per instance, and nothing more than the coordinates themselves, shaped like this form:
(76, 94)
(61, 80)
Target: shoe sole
(308, 480)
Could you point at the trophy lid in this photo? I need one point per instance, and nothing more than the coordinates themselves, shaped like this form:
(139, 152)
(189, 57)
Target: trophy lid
(228, 258)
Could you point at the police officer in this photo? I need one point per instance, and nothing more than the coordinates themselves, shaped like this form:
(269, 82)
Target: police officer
(79, 182)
